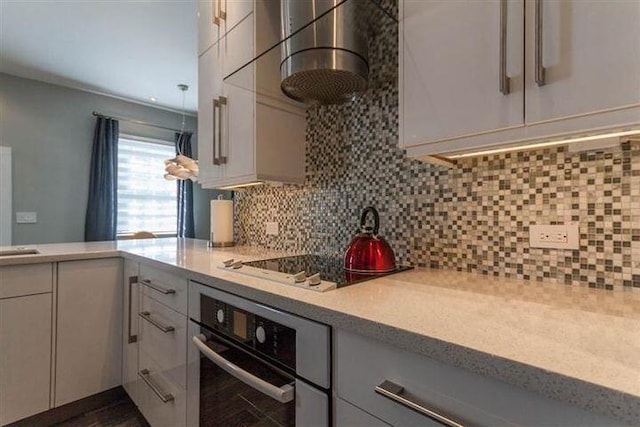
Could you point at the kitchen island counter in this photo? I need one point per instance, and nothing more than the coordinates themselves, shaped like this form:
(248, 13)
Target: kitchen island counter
(574, 344)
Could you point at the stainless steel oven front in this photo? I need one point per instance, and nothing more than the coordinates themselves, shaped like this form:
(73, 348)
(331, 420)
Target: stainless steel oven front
(253, 365)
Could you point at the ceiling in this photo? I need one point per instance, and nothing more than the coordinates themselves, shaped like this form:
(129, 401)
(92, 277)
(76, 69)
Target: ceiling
(136, 49)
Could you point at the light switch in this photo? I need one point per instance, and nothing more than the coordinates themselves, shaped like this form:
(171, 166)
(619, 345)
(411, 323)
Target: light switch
(26, 217)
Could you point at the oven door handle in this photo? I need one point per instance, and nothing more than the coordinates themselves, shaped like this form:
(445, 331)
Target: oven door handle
(283, 394)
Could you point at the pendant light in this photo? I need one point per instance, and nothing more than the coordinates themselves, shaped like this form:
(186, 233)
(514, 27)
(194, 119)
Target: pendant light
(181, 167)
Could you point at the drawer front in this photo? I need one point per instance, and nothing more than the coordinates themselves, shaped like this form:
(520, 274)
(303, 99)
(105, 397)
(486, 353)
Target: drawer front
(362, 364)
(163, 337)
(167, 288)
(20, 280)
(153, 386)
(348, 415)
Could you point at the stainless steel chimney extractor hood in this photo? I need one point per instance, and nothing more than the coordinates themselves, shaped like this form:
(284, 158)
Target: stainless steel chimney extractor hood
(327, 61)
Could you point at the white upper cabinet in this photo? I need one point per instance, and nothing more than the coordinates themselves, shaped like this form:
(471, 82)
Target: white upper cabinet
(573, 67)
(209, 89)
(452, 62)
(247, 130)
(590, 51)
(217, 17)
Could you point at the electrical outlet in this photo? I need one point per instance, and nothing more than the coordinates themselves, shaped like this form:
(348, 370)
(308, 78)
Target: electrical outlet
(564, 236)
(26, 217)
(272, 228)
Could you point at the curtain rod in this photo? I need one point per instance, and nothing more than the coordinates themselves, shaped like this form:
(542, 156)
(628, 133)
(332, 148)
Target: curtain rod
(140, 122)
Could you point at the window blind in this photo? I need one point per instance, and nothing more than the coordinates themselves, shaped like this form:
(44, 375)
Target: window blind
(146, 201)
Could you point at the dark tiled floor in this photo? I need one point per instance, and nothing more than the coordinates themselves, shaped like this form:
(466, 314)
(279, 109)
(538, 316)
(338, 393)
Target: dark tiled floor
(122, 413)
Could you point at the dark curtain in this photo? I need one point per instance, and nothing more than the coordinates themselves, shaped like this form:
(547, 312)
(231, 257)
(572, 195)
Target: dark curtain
(101, 218)
(185, 191)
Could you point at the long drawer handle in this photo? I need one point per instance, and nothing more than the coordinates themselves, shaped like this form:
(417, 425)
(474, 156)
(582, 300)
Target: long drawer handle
(396, 393)
(146, 377)
(283, 394)
(131, 338)
(540, 77)
(149, 284)
(504, 78)
(216, 108)
(164, 328)
(222, 102)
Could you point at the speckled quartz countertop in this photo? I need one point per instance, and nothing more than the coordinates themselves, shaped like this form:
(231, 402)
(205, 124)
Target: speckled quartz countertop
(574, 344)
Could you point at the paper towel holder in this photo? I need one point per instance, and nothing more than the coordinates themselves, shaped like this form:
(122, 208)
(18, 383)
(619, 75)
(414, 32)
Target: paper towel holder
(212, 244)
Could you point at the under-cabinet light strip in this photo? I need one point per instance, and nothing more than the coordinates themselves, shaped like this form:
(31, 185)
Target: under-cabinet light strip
(249, 184)
(544, 144)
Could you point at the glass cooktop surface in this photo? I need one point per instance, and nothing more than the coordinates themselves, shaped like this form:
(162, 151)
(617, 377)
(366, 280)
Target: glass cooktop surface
(329, 267)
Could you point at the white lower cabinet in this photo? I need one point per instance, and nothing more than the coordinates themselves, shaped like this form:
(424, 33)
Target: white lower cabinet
(89, 328)
(161, 368)
(362, 364)
(25, 341)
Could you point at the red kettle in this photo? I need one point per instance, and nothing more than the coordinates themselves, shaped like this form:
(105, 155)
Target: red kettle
(368, 252)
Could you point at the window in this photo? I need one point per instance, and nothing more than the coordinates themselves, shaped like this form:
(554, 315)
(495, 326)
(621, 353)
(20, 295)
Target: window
(146, 201)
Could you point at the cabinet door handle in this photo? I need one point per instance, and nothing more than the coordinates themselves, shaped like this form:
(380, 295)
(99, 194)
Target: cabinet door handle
(132, 281)
(539, 29)
(222, 101)
(216, 106)
(504, 78)
(218, 14)
(146, 377)
(164, 328)
(396, 393)
(222, 13)
(149, 284)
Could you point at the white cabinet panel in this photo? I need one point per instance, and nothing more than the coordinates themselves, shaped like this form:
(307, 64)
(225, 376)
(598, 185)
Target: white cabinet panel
(591, 56)
(19, 280)
(451, 68)
(238, 48)
(348, 415)
(25, 356)
(209, 88)
(239, 142)
(89, 329)
(234, 12)
(217, 17)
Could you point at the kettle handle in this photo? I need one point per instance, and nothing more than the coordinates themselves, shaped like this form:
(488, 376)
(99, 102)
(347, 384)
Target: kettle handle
(376, 219)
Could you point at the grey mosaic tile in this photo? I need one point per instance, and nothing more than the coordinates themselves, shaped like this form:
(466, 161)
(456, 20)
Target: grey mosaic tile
(474, 217)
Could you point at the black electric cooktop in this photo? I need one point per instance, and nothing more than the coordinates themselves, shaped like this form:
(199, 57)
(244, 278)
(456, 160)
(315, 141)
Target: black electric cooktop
(329, 267)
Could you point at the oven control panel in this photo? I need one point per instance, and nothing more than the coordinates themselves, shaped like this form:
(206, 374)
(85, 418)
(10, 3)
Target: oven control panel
(269, 338)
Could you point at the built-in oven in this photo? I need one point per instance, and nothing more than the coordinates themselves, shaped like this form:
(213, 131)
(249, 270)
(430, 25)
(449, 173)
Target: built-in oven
(253, 365)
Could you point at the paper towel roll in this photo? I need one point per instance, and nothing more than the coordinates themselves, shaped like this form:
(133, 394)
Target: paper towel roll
(222, 222)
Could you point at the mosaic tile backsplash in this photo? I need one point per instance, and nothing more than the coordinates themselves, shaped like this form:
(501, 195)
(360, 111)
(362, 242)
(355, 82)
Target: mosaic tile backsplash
(474, 217)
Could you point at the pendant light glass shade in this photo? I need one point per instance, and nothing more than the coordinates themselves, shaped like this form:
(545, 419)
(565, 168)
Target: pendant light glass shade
(181, 167)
